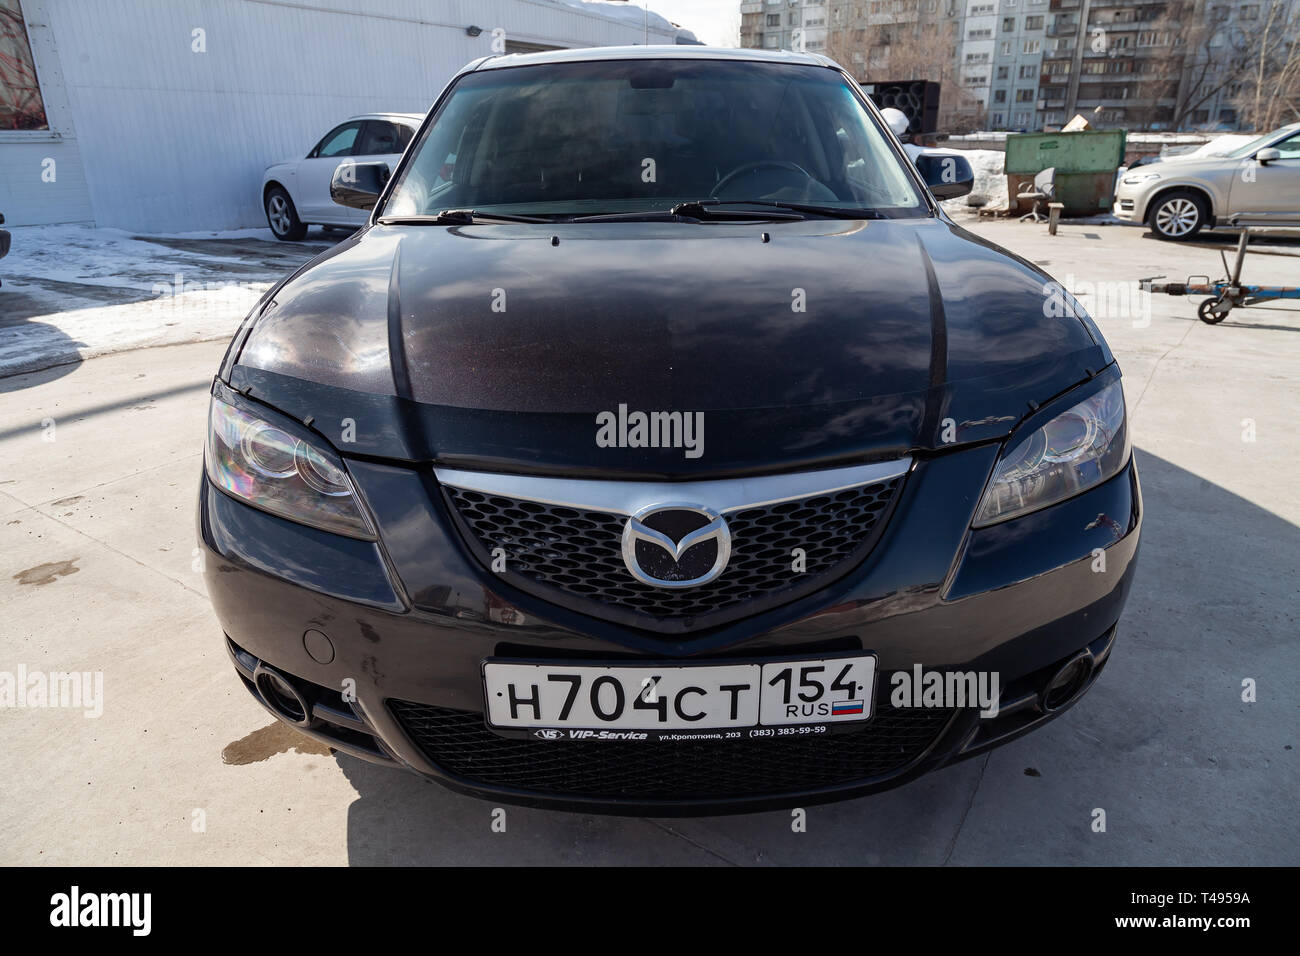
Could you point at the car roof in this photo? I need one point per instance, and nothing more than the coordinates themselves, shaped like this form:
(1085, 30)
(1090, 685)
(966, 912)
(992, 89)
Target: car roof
(652, 52)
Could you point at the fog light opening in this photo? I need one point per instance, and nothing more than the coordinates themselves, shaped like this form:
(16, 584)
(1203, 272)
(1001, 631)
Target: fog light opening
(1067, 683)
(280, 694)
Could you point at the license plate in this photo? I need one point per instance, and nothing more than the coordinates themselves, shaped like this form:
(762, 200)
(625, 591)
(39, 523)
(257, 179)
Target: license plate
(638, 701)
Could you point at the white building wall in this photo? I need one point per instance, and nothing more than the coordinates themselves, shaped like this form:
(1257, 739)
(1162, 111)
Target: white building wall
(173, 139)
(41, 176)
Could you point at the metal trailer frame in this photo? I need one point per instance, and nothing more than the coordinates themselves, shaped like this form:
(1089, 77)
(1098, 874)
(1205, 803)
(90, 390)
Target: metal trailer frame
(1228, 293)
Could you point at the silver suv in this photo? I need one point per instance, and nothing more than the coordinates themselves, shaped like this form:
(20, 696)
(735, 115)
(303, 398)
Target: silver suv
(1256, 184)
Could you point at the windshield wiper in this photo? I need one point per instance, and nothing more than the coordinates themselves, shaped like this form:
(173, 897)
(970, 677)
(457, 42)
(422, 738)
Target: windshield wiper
(458, 217)
(684, 212)
(701, 207)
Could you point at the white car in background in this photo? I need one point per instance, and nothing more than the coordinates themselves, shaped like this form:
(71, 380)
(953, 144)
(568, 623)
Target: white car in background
(1256, 184)
(296, 194)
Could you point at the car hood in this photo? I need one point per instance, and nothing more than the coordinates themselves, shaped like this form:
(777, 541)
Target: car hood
(799, 343)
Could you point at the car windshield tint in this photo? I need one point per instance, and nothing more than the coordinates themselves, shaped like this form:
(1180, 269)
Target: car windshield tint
(624, 136)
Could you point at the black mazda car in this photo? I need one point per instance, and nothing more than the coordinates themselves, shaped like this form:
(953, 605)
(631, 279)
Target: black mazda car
(659, 446)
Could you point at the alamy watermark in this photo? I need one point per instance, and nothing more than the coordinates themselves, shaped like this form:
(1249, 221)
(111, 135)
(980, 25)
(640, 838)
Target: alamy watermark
(71, 690)
(624, 429)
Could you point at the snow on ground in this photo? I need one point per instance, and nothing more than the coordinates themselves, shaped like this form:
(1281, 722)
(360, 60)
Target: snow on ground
(71, 291)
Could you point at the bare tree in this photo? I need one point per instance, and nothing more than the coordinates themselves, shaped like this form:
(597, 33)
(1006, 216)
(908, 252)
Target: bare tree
(1200, 61)
(923, 47)
(1270, 97)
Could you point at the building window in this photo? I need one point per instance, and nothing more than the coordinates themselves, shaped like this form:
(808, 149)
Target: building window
(772, 41)
(1249, 11)
(1031, 46)
(1200, 116)
(1027, 70)
(1034, 23)
(1008, 24)
(1006, 48)
(999, 96)
(979, 34)
(1003, 72)
(1153, 38)
(1025, 96)
(21, 106)
(774, 19)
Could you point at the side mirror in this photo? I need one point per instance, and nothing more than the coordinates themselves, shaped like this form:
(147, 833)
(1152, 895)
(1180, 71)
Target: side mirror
(947, 176)
(358, 184)
(1267, 155)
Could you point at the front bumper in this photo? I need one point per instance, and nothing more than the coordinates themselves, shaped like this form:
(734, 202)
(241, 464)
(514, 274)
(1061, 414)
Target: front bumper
(410, 620)
(1131, 201)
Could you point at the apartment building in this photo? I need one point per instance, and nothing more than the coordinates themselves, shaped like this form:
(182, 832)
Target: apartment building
(1031, 64)
(1022, 38)
(784, 24)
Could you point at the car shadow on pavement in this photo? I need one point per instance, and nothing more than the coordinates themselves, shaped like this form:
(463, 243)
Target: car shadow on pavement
(1187, 773)
(27, 344)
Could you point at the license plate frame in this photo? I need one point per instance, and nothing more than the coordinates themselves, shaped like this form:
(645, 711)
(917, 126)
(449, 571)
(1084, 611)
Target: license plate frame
(619, 730)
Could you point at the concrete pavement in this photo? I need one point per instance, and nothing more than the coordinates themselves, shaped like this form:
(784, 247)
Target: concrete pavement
(98, 468)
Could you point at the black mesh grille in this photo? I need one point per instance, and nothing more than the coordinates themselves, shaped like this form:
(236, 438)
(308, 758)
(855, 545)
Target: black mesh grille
(458, 742)
(580, 552)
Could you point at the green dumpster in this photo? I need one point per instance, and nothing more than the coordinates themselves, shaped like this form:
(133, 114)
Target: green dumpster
(1085, 166)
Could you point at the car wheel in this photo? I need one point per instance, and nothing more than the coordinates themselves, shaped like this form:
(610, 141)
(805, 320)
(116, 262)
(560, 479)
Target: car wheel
(1178, 216)
(282, 217)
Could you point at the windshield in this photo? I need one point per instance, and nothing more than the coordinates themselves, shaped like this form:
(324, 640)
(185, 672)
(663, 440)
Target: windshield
(1243, 151)
(624, 136)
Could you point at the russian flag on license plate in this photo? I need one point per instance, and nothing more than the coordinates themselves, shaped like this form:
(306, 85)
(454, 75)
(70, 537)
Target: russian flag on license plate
(845, 708)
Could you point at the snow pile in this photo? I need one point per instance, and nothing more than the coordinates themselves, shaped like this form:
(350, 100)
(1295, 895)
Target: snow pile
(1219, 146)
(990, 180)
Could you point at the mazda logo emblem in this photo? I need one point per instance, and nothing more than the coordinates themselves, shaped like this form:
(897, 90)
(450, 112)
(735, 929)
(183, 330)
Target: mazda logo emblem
(676, 545)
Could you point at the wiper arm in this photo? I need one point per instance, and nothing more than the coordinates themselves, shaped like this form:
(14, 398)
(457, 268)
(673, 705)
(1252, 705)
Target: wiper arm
(700, 207)
(644, 215)
(458, 217)
(682, 212)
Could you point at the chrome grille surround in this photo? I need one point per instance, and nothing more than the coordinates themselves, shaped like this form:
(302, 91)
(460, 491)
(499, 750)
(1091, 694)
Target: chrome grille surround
(562, 538)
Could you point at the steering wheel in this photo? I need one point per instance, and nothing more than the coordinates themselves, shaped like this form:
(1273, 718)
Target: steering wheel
(759, 164)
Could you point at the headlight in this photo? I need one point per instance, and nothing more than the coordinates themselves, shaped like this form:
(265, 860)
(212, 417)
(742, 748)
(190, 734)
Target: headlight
(1081, 447)
(258, 461)
(1135, 178)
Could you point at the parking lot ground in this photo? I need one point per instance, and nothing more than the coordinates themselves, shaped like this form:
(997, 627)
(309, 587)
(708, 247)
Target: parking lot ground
(99, 463)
